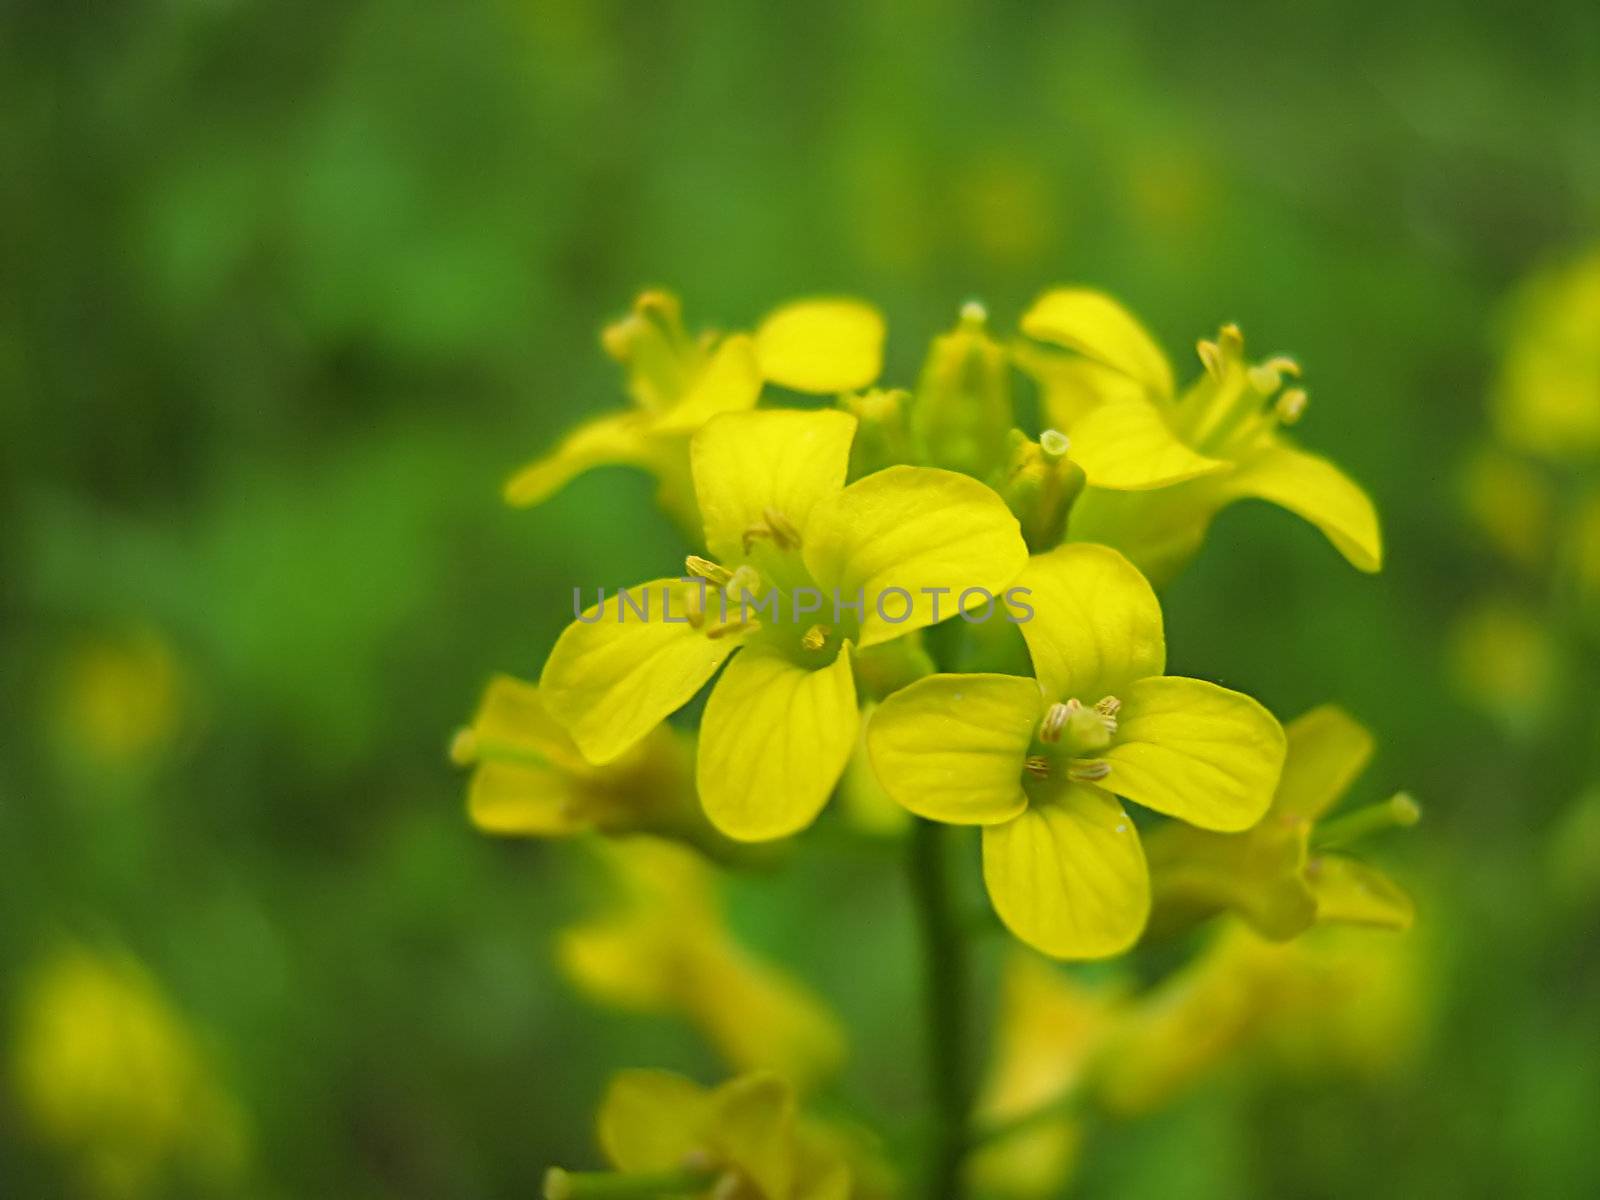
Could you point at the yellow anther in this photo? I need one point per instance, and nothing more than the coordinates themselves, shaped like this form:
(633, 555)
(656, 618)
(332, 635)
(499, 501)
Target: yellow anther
(1231, 339)
(1108, 708)
(1090, 770)
(1037, 765)
(974, 313)
(774, 525)
(1055, 720)
(815, 638)
(1055, 444)
(1210, 357)
(704, 568)
(1291, 406)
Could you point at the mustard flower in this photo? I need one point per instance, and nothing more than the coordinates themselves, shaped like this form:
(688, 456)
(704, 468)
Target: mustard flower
(1161, 464)
(803, 572)
(530, 779)
(677, 381)
(667, 1135)
(1040, 763)
(1286, 874)
(664, 947)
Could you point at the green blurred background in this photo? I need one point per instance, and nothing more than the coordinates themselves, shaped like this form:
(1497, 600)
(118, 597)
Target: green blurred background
(287, 290)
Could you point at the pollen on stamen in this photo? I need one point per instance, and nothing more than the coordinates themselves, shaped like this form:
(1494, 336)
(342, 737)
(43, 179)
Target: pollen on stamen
(1055, 720)
(1037, 765)
(815, 638)
(1088, 770)
(1210, 357)
(704, 568)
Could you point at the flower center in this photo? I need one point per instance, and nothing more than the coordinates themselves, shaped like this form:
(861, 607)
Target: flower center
(1236, 404)
(1071, 736)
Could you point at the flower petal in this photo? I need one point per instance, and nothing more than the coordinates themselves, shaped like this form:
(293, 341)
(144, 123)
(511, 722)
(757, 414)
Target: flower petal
(619, 438)
(512, 716)
(951, 747)
(730, 382)
(773, 742)
(614, 675)
(518, 798)
(1196, 751)
(783, 460)
(1351, 893)
(1328, 748)
(1097, 327)
(920, 530)
(753, 1122)
(1068, 876)
(1127, 445)
(650, 1120)
(822, 346)
(1096, 623)
(1313, 488)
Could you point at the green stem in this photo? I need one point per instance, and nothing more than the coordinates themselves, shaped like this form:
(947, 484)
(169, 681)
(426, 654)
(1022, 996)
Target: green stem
(944, 948)
(608, 1185)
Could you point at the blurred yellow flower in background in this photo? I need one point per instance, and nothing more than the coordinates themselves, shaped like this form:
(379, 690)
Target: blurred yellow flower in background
(119, 698)
(667, 1135)
(1504, 660)
(107, 1073)
(664, 947)
(1333, 1001)
(1546, 400)
(1049, 1029)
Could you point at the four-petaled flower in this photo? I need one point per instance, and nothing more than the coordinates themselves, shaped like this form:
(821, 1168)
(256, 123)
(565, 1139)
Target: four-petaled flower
(1285, 875)
(1039, 764)
(792, 550)
(1160, 465)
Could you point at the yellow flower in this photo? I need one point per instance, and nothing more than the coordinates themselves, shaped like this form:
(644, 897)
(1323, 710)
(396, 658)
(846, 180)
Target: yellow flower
(665, 948)
(1160, 465)
(1050, 1029)
(529, 778)
(105, 1071)
(795, 549)
(1039, 765)
(1283, 875)
(669, 1136)
(1547, 400)
(677, 382)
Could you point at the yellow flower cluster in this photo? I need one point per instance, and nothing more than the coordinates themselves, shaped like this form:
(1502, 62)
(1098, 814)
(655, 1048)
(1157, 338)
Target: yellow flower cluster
(910, 593)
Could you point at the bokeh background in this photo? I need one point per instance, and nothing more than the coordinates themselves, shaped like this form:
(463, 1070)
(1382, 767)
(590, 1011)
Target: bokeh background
(287, 290)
